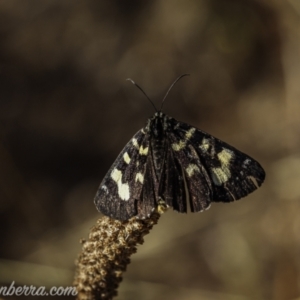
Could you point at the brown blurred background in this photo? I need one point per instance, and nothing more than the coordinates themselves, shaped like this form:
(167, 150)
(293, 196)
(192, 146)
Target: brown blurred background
(66, 111)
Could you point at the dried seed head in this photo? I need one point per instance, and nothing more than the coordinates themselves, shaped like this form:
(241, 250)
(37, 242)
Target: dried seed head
(106, 254)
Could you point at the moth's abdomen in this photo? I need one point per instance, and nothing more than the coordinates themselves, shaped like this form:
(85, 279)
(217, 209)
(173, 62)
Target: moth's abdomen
(158, 146)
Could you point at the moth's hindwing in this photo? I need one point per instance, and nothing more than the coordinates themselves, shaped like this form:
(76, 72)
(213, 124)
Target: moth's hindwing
(123, 183)
(229, 173)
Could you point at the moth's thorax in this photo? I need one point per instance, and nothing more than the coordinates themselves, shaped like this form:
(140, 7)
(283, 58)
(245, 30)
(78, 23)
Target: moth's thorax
(158, 125)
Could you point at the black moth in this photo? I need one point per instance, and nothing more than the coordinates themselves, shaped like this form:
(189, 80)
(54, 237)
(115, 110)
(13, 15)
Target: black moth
(174, 163)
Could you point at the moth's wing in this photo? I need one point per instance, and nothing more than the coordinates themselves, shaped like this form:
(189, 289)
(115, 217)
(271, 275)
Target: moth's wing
(197, 183)
(172, 184)
(232, 174)
(121, 187)
(148, 200)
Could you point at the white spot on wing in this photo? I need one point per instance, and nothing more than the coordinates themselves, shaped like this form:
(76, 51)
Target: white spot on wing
(204, 145)
(123, 188)
(246, 162)
(126, 158)
(191, 169)
(139, 177)
(105, 189)
(135, 143)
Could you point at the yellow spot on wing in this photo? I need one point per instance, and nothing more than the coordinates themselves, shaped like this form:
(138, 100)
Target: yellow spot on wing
(223, 173)
(126, 158)
(178, 146)
(139, 177)
(182, 143)
(220, 175)
(116, 175)
(225, 157)
(143, 151)
(191, 169)
(123, 188)
(190, 133)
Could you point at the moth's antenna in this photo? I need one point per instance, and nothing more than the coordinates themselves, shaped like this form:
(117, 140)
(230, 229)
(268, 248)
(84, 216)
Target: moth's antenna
(162, 103)
(142, 92)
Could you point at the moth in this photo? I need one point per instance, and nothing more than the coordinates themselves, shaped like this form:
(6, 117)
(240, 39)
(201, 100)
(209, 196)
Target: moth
(176, 164)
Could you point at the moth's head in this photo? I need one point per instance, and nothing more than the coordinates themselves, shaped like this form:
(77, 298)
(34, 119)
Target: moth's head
(158, 124)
